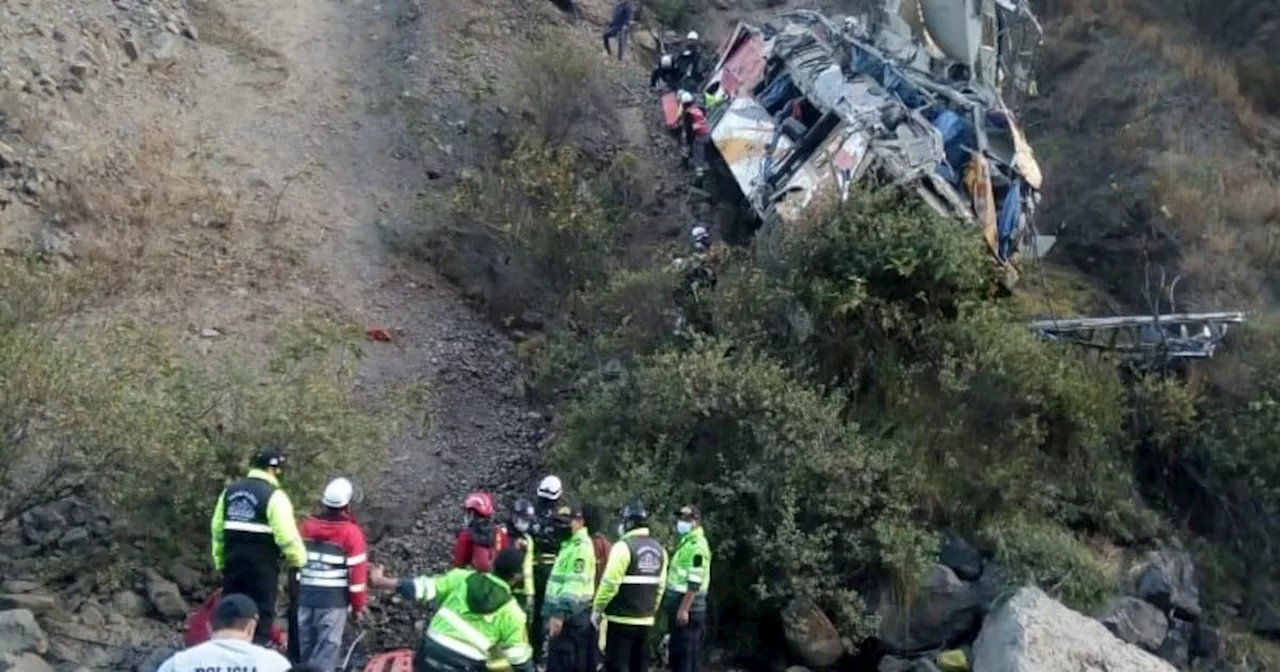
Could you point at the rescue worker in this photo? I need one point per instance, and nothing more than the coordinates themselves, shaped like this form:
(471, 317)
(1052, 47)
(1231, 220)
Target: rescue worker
(546, 536)
(697, 132)
(520, 538)
(713, 97)
(478, 626)
(571, 636)
(623, 12)
(332, 583)
(235, 622)
(630, 592)
(666, 72)
(252, 526)
(481, 538)
(689, 62)
(685, 600)
(701, 239)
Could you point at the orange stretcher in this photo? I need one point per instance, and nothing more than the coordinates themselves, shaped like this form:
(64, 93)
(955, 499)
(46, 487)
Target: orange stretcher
(670, 110)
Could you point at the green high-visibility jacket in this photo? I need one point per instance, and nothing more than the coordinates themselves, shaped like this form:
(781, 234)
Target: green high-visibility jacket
(615, 576)
(690, 570)
(477, 617)
(572, 579)
(524, 542)
(280, 525)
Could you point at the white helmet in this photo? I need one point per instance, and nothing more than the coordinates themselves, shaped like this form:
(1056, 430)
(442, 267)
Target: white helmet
(666, 60)
(700, 233)
(549, 488)
(692, 36)
(338, 493)
(685, 97)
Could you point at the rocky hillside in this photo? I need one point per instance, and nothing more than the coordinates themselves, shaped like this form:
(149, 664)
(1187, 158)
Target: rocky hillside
(209, 203)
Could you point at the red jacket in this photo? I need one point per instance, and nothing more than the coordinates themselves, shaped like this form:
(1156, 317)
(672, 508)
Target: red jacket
(339, 529)
(478, 544)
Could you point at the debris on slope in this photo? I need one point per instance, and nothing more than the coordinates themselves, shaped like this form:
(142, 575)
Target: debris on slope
(817, 104)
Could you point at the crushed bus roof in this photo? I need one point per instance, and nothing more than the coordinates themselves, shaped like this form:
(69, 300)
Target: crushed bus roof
(816, 105)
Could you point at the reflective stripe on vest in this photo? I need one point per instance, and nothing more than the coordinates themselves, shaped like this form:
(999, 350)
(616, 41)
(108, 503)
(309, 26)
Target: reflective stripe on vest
(249, 541)
(638, 593)
(238, 526)
(324, 579)
(465, 639)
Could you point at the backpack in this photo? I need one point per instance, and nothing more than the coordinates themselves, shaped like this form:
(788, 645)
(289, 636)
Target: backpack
(487, 539)
(600, 544)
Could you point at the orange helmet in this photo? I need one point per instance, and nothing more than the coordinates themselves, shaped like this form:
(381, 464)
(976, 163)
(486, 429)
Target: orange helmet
(479, 502)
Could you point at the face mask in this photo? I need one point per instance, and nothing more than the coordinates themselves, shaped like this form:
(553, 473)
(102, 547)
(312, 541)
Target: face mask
(622, 529)
(522, 525)
(684, 527)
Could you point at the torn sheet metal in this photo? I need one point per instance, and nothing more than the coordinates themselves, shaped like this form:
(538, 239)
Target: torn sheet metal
(818, 104)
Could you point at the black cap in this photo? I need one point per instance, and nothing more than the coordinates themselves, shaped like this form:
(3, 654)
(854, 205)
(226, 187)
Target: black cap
(569, 511)
(269, 456)
(689, 511)
(233, 609)
(510, 562)
(634, 512)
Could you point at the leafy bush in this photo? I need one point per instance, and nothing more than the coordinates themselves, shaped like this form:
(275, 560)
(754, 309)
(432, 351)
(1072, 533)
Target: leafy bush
(115, 413)
(563, 91)
(1045, 554)
(797, 501)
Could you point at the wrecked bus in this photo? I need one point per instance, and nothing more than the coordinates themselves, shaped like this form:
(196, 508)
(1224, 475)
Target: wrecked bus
(816, 105)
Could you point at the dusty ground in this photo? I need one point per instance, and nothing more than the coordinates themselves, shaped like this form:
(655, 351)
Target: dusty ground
(235, 164)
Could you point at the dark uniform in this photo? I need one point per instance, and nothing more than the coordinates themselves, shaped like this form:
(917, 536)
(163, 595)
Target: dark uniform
(548, 532)
(252, 526)
(628, 597)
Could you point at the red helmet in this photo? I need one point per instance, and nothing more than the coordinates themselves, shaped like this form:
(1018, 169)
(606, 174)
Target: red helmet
(480, 502)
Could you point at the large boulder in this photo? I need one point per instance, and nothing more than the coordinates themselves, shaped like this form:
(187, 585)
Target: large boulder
(36, 603)
(1168, 580)
(165, 597)
(27, 662)
(19, 633)
(943, 610)
(1136, 622)
(154, 660)
(1033, 632)
(960, 556)
(810, 634)
(129, 604)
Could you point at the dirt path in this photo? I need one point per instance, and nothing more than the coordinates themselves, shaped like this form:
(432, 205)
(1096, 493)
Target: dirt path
(334, 116)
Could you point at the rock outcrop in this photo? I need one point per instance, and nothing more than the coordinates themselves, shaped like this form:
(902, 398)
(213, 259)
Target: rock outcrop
(810, 634)
(1168, 580)
(20, 634)
(944, 609)
(1032, 632)
(1136, 622)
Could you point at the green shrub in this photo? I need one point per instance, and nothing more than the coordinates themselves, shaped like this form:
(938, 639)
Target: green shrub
(1043, 553)
(796, 500)
(115, 413)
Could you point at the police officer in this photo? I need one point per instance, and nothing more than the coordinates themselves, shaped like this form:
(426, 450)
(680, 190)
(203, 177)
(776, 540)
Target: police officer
(630, 592)
(688, 580)
(566, 610)
(479, 625)
(547, 531)
(519, 537)
(252, 526)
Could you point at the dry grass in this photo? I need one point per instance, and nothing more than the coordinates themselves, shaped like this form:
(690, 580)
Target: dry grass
(155, 221)
(1225, 216)
(219, 29)
(1174, 45)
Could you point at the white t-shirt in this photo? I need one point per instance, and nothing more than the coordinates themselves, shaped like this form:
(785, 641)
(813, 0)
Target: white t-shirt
(226, 655)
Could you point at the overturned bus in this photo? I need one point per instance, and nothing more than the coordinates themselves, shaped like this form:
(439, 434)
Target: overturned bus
(910, 96)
